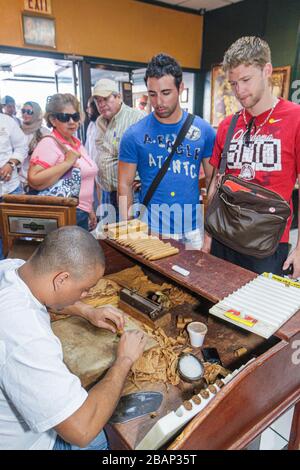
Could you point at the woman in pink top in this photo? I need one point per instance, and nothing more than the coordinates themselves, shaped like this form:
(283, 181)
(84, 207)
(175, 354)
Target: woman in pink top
(49, 162)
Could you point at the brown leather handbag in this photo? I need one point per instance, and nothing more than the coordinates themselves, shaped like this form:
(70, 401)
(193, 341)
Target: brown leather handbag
(245, 216)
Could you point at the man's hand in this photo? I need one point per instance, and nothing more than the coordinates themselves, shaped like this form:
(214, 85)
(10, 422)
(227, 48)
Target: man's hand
(136, 185)
(6, 172)
(92, 220)
(132, 345)
(103, 316)
(294, 259)
(206, 243)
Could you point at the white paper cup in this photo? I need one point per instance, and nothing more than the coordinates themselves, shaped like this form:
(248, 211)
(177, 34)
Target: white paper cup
(197, 332)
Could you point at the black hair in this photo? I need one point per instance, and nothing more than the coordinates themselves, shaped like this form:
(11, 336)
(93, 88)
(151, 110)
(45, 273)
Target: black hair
(68, 248)
(95, 112)
(161, 65)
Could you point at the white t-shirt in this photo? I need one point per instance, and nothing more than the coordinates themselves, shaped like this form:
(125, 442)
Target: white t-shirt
(25, 165)
(37, 391)
(13, 145)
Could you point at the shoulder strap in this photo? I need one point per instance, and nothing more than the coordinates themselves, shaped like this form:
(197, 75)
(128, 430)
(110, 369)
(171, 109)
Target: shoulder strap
(227, 143)
(182, 133)
(60, 144)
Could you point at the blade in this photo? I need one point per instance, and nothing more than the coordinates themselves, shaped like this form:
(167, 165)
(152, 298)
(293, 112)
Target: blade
(134, 405)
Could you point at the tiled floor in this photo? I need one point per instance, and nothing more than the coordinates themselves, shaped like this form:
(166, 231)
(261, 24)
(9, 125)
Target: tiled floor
(276, 436)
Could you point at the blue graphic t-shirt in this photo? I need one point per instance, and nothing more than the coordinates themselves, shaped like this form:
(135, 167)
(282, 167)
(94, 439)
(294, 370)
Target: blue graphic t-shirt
(174, 207)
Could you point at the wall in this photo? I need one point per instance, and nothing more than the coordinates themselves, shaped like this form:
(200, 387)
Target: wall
(275, 20)
(118, 29)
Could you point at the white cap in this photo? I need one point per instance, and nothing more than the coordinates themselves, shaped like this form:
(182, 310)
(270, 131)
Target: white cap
(105, 87)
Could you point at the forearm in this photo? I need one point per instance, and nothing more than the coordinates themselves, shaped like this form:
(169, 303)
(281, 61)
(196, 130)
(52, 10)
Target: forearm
(79, 309)
(210, 193)
(212, 187)
(104, 396)
(125, 200)
(45, 178)
(95, 412)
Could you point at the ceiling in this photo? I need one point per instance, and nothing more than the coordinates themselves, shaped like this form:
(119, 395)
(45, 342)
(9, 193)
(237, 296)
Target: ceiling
(199, 4)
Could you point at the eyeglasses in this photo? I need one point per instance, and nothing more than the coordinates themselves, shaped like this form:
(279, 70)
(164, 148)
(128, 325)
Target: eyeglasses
(27, 111)
(65, 117)
(247, 135)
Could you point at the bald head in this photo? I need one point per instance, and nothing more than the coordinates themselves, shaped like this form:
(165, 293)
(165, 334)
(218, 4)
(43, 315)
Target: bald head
(69, 248)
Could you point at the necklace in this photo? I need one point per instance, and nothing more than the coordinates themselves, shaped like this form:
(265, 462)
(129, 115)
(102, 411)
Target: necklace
(264, 122)
(248, 166)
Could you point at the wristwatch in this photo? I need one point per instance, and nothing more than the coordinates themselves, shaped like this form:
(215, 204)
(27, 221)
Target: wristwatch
(12, 164)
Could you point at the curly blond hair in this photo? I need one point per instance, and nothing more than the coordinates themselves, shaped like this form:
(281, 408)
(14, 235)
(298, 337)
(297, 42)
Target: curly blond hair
(248, 50)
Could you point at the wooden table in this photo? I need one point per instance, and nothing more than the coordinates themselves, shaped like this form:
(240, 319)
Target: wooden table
(247, 405)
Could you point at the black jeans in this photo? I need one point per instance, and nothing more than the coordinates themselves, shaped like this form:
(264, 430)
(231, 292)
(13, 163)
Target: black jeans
(271, 264)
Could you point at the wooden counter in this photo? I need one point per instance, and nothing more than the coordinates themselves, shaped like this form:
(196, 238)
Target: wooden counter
(209, 276)
(248, 404)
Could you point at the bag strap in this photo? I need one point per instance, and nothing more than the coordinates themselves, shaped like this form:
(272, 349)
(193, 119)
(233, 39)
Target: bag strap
(60, 144)
(227, 143)
(180, 137)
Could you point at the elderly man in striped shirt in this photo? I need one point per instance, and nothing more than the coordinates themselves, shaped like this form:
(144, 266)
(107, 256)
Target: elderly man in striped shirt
(115, 118)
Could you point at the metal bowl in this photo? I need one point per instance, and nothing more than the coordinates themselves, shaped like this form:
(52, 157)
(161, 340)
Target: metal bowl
(183, 375)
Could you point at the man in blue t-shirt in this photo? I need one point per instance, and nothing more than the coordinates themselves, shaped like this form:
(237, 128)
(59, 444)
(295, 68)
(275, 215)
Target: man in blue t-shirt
(174, 208)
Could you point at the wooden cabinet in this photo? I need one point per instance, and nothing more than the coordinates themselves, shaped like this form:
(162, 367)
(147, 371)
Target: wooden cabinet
(23, 216)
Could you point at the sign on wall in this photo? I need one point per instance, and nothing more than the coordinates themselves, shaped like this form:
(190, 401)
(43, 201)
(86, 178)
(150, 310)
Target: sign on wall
(38, 6)
(38, 30)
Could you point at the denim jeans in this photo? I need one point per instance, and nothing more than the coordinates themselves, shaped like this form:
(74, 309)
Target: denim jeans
(82, 219)
(99, 443)
(18, 190)
(270, 264)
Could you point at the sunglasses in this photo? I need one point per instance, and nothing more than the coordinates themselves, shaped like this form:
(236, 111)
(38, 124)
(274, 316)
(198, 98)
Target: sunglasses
(65, 117)
(27, 111)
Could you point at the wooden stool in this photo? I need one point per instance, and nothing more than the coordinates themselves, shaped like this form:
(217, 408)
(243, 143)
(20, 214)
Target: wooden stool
(23, 216)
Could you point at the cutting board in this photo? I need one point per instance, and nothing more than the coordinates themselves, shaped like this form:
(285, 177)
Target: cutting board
(89, 351)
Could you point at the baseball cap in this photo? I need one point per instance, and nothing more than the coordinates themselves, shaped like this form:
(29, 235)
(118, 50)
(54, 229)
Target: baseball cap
(105, 87)
(7, 100)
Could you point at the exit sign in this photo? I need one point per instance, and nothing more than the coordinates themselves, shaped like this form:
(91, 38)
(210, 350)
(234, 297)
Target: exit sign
(38, 6)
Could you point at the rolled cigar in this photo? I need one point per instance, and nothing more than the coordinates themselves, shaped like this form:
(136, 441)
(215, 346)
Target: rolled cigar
(187, 405)
(154, 251)
(180, 340)
(174, 251)
(148, 243)
(119, 332)
(161, 244)
(212, 389)
(204, 393)
(141, 250)
(196, 399)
